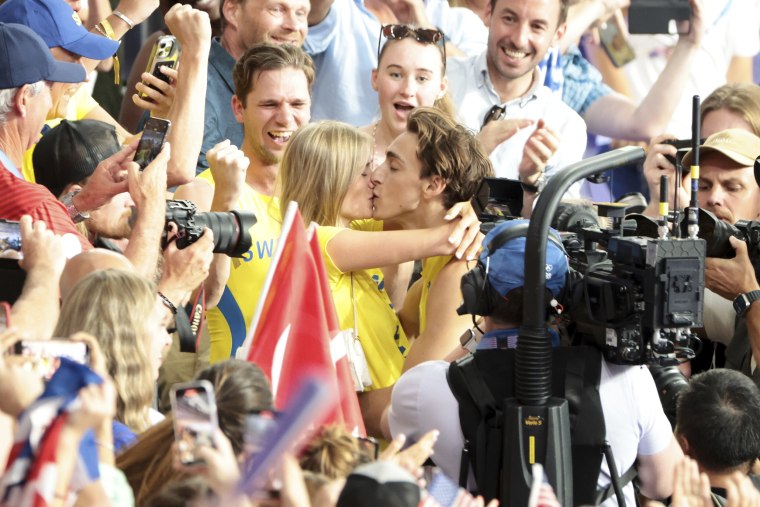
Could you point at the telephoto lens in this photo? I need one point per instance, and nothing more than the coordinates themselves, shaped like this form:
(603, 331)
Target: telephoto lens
(232, 230)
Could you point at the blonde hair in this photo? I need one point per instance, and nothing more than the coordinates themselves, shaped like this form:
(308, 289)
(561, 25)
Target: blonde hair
(320, 163)
(742, 99)
(112, 305)
(334, 453)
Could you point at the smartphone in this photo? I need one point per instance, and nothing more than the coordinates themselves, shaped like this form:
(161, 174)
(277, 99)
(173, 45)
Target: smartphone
(152, 139)
(657, 16)
(195, 419)
(10, 240)
(615, 44)
(165, 53)
(43, 356)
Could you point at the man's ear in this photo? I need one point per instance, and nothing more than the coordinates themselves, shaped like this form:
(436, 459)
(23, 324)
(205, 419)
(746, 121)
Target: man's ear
(682, 442)
(561, 29)
(22, 98)
(229, 10)
(238, 108)
(434, 186)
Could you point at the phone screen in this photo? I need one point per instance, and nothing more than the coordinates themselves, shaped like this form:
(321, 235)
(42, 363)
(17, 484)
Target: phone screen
(10, 240)
(44, 356)
(195, 420)
(615, 44)
(151, 141)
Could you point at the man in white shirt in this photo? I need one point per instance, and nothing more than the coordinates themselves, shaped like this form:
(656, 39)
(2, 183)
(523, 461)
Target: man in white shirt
(539, 133)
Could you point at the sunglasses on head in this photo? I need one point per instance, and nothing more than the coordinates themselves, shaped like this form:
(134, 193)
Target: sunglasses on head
(423, 35)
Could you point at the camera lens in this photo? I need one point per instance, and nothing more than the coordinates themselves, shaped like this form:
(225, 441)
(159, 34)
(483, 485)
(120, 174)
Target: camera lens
(716, 232)
(669, 382)
(231, 230)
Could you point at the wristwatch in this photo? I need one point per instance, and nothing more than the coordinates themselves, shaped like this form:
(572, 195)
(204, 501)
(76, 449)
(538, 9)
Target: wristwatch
(536, 187)
(743, 301)
(75, 215)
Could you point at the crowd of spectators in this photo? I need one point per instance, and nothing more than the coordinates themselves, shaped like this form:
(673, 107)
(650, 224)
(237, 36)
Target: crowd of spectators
(381, 119)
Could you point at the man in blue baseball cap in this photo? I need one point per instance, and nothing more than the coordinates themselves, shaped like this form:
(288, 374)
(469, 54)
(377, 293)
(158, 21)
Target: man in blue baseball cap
(69, 41)
(27, 71)
(59, 26)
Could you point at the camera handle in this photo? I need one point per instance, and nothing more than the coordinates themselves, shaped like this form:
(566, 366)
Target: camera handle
(541, 424)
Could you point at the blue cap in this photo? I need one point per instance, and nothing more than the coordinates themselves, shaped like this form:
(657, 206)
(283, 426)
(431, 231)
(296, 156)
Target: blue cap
(59, 26)
(506, 265)
(25, 59)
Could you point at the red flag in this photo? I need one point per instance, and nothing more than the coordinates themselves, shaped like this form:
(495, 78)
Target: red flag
(295, 330)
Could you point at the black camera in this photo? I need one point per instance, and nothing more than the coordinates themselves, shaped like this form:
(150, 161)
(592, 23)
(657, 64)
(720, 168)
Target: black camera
(231, 230)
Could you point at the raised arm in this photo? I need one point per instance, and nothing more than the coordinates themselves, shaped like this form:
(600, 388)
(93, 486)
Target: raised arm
(36, 310)
(648, 119)
(135, 12)
(148, 191)
(319, 10)
(193, 31)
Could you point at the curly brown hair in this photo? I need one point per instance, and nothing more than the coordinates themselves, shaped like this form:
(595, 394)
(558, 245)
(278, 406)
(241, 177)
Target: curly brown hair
(451, 151)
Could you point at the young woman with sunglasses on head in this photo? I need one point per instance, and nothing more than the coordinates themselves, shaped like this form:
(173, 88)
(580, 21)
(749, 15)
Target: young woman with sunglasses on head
(325, 169)
(411, 72)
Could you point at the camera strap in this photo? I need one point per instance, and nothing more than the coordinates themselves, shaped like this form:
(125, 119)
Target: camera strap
(189, 321)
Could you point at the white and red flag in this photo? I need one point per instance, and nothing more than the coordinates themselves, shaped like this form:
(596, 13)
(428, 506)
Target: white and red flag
(295, 329)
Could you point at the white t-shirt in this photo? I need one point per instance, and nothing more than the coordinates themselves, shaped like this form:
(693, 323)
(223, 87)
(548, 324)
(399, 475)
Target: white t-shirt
(636, 425)
(732, 29)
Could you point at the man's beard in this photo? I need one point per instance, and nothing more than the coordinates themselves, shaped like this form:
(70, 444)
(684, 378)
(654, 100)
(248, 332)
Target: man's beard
(264, 155)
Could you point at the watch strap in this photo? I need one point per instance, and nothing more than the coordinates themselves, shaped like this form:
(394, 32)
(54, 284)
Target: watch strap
(75, 215)
(743, 301)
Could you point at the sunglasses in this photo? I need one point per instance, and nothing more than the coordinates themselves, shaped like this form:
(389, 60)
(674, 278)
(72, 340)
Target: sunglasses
(423, 35)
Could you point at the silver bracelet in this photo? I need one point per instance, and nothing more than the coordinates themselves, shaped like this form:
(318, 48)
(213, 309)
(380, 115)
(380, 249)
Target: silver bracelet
(124, 18)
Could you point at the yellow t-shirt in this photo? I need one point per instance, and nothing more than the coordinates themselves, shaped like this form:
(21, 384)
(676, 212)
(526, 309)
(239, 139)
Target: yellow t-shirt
(228, 322)
(80, 105)
(430, 269)
(379, 330)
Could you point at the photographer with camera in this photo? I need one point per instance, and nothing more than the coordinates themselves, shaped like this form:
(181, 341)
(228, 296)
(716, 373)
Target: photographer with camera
(727, 188)
(613, 404)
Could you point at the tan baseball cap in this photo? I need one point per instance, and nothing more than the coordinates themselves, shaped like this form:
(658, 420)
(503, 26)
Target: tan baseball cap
(737, 144)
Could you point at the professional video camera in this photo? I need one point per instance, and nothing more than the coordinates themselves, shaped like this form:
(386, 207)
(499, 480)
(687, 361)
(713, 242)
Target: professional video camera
(639, 297)
(634, 297)
(231, 230)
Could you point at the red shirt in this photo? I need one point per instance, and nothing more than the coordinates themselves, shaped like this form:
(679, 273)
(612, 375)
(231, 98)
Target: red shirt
(19, 197)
